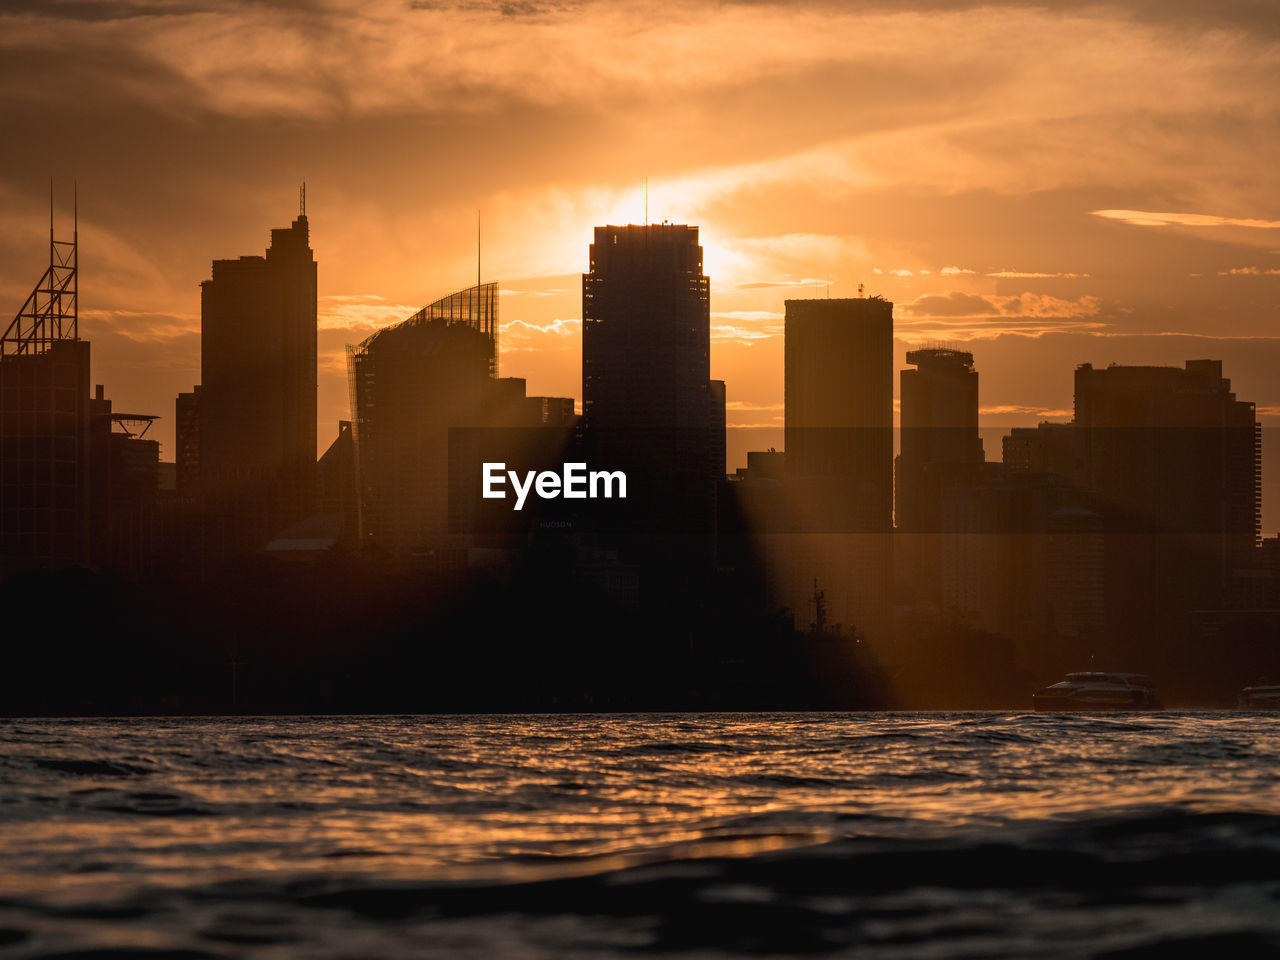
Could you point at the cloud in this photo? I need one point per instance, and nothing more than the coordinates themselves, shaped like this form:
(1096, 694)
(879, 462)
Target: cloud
(955, 271)
(1249, 272)
(1022, 409)
(900, 272)
(359, 312)
(547, 292)
(956, 315)
(739, 334)
(1142, 218)
(958, 304)
(764, 284)
(522, 330)
(139, 326)
(747, 405)
(1019, 275)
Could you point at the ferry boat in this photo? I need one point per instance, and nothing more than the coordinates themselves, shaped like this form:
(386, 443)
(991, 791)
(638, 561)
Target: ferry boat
(1095, 690)
(1260, 696)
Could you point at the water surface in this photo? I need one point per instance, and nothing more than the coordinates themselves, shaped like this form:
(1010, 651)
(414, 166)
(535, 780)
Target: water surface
(884, 835)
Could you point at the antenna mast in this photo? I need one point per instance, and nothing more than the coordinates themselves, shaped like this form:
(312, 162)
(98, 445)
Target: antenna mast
(302, 199)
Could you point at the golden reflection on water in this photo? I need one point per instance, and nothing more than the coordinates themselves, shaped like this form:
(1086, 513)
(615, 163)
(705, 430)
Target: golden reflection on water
(513, 798)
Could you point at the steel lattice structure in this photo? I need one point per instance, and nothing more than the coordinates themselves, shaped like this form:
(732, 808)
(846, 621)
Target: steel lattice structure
(50, 313)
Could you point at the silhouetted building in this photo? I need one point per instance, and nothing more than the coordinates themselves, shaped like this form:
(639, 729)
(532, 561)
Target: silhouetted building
(336, 484)
(1174, 460)
(839, 457)
(410, 383)
(650, 407)
(939, 413)
(45, 423)
(257, 401)
(129, 485)
(186, 411)
(938, 439)
(1053, 448)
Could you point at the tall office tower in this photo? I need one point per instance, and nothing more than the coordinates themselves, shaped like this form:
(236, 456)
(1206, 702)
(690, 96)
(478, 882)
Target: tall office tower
(258, 390)
(428, 409)
(649, 404)
(940, 445)
(45, 423)
(410, 383)
(939, 404)
(839, 454)
(838, 395)
(1174, 460)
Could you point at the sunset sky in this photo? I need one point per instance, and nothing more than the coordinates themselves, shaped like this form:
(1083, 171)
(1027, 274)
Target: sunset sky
(1098, 183)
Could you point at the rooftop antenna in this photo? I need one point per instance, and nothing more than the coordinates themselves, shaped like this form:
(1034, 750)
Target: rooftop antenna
(302, 199)
(75, 210)
(477, 246)
(646, 201)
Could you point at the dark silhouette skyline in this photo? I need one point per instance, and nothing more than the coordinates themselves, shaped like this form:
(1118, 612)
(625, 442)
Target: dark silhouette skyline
(1130, 535)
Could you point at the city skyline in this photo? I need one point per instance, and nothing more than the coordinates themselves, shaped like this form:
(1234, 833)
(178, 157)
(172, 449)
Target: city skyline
(1071, 232)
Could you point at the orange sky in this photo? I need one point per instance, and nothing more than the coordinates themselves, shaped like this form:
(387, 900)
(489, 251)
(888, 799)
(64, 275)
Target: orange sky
(1094, 184)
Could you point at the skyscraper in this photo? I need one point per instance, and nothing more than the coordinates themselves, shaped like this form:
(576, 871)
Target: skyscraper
(939, 445)
(649, 404)
(939, 404)
(839, 400)
(1174, 461)
(257, 408)
(45, 423)
(410, 383)
(839, 457)
(428, 408)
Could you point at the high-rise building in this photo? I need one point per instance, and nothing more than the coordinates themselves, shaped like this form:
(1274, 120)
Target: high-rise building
(257, 406)
(410, 383)
(839, 459)
(646, 335)
(939, 445)
(939, 405)
(839, 399)
(1174, 460)
(45, 423)
(649, 404)
(428, 408)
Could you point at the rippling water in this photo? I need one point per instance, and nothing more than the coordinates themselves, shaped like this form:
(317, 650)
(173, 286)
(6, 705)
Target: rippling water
(908, 835)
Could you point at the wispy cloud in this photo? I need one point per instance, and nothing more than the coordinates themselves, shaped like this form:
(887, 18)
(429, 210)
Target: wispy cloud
(1023, 275)
(1143, 218)
(1250, 272)
(359, 312)
(1005, 409)
(141, 326)
(956, 271)
(747, 405)
(521, 330)
(764, 284)
(968, 316)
